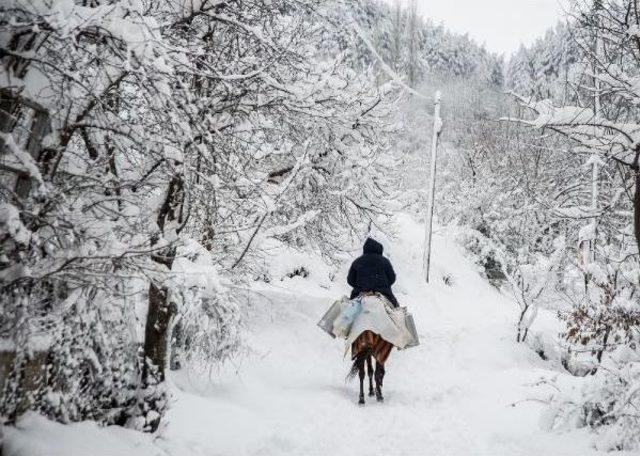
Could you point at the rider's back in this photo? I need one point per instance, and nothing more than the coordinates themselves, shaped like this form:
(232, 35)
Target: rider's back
(372, 272)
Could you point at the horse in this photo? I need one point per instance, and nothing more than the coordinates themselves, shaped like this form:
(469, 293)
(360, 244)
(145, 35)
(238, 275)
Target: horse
(369, 345)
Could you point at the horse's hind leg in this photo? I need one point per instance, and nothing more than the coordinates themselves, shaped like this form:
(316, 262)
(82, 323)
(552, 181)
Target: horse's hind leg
(370, 372)
(379, 376)
(360, 361)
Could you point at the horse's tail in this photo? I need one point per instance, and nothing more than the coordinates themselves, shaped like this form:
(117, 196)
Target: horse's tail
(359, 360)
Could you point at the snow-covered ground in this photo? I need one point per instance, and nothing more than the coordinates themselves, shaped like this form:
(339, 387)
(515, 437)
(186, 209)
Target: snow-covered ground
(468, 389)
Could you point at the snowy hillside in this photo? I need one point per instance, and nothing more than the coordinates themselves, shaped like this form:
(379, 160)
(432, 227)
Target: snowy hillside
(466, 390)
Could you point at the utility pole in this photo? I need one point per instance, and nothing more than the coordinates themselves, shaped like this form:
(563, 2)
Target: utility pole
(597, 111)
(437, 129)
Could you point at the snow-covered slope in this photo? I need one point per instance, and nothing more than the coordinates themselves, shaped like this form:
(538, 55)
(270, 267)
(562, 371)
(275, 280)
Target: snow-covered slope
(465, 390)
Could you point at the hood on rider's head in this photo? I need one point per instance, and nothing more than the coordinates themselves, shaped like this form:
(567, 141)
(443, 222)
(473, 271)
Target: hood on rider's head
(372, 246)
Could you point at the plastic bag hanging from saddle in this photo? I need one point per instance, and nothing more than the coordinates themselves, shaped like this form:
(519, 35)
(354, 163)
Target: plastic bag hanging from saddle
(342, 324)
(331, 315)
(410, 325)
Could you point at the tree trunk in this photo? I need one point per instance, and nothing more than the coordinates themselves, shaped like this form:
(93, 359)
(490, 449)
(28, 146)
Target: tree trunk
(40, 127)
(9, 112)
(636, 208)
(156, 335)
(177, 346)
(161, 310)
(27, 368)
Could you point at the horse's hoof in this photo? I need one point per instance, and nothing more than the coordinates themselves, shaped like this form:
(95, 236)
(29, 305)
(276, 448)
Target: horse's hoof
(361, 401)
(371, 393)
(379, 398)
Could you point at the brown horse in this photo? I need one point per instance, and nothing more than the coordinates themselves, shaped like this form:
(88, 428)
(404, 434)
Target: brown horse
(369, 345)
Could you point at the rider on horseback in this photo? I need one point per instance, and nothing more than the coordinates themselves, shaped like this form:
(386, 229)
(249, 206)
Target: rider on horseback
(372, 272)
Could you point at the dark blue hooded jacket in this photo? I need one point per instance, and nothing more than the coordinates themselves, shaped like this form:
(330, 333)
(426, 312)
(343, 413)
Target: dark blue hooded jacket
(372, 272)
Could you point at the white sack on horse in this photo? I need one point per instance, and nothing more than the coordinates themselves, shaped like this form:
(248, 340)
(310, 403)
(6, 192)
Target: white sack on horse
(327, 321)
(379, 316)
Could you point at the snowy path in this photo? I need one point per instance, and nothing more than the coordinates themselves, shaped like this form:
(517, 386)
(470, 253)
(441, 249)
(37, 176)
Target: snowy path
(452, 395)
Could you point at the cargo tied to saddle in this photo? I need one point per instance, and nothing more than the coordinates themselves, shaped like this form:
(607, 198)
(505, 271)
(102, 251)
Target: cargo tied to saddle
(371, 322)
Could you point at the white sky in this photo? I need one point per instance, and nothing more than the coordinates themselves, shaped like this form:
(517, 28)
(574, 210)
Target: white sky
(500, 24)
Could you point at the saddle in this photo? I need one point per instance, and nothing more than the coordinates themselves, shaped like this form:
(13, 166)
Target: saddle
(370, 293)
(378, 295)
